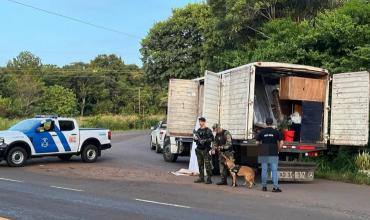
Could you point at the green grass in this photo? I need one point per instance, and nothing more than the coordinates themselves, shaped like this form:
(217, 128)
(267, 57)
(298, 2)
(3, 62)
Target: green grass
(118, 122)
(112, 122)
(341, 167)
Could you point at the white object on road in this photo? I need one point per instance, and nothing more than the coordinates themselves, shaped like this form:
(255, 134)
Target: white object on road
(184, 172)
(193, 164)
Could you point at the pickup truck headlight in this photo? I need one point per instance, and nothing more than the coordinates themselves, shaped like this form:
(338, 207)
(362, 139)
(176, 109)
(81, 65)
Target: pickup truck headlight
(2, 141)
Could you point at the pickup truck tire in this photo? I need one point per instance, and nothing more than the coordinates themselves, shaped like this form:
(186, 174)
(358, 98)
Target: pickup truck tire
(167, 155)
(16, 157)
(90, 153)
(157, 147)
(152, 147)
(65, 157)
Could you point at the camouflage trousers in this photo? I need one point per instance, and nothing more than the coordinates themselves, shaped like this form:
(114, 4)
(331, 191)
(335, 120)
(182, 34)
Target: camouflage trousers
(223, 168)
(204, 160)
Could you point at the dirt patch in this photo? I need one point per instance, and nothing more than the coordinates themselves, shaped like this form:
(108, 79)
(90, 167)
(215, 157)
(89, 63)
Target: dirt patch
(96, 171)
(134, 174)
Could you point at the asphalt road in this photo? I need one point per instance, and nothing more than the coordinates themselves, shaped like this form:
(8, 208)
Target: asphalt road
(132, 182)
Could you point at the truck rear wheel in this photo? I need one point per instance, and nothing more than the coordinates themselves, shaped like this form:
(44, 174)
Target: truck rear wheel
(157, 147)
(167, 155)
(16, 157)
(90, 153)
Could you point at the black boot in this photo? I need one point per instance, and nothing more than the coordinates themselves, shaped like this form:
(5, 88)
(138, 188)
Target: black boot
(222, 182)
(199, 180)
(209, 180)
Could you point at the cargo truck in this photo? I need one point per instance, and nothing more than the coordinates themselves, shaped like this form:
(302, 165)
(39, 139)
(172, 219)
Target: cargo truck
(333, 110)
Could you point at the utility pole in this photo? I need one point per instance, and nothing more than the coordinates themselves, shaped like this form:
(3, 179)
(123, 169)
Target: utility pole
(139, 102)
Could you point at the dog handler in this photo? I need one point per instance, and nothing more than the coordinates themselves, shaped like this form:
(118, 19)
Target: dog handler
(203, 138)
(270, 142)
(222, 144)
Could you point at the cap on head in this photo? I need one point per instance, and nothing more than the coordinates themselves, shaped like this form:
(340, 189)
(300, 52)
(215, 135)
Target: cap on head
(202, 119)
(215, 126)
(269, 121)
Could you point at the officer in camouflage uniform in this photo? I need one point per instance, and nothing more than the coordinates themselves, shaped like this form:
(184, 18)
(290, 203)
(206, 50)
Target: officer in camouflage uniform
(203, 138)
(222, 144)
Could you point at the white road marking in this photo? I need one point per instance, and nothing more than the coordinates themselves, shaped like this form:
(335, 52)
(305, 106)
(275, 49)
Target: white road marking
(162, 203)
(11, 180)
(70, 189)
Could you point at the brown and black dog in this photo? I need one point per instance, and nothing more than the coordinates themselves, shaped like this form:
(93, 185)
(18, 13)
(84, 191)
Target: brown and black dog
(235, 170)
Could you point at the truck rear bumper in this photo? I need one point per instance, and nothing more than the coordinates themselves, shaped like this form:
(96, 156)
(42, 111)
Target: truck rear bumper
(291, 171)
(295, 171)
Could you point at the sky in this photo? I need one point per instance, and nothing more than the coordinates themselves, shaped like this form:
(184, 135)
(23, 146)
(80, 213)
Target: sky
(60, 41)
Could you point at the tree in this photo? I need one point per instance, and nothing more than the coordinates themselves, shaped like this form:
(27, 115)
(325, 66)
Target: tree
(85, 83)
(241, 22)
(22, 77)
(26, 93)
(174, 48)
(58, 100)
(337, 40)
(25, 62)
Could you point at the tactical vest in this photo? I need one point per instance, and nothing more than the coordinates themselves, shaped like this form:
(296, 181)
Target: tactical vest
(221, 139)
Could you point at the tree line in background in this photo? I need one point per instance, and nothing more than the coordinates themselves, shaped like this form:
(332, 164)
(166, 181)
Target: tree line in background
(106, 85)
(221, 34)
(214, 35)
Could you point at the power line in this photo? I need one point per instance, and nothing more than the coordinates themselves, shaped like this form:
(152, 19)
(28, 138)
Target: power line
(75, 19)
(88, 71)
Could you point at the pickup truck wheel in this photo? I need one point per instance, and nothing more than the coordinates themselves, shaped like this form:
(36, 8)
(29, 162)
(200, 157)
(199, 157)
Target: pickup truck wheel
(16, 157)
(90, 153)
(167, 155)
(157, 147)
(65, 157)
(152, 147)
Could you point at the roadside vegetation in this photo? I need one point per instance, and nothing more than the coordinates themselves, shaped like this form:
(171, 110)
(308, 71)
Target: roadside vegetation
(345, 166)
(113, 122)
(105, 85)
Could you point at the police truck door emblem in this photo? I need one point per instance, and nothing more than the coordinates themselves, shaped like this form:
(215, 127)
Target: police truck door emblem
(44, 142)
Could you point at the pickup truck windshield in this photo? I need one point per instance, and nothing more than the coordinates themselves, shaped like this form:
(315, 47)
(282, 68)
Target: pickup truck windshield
(25, 126)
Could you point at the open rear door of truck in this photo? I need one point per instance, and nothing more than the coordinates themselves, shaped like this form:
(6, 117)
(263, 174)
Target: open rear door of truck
(237, 101)
(350, 109)
(182, 107)
(211, 104)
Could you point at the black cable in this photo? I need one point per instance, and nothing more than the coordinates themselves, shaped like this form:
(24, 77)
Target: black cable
(75, 19)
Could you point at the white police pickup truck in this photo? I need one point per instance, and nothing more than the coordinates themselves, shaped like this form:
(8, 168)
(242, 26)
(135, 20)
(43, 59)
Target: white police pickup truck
(52, 136)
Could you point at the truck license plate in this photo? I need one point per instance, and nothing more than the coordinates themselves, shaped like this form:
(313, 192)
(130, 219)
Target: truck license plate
(296, 175)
